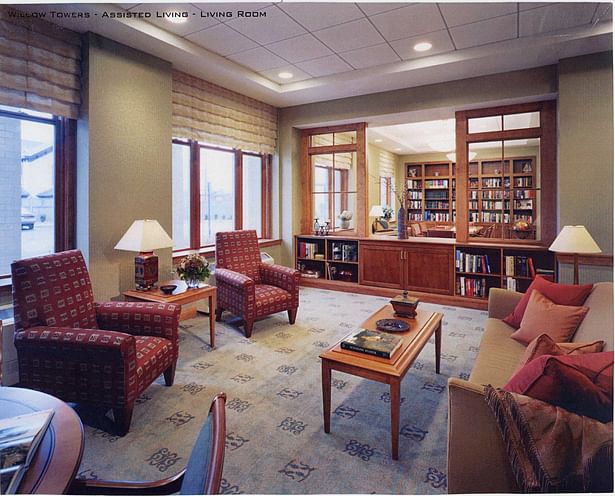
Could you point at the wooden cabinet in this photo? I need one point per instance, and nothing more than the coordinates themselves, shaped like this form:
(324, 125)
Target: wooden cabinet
(381, 264)
(419, 267)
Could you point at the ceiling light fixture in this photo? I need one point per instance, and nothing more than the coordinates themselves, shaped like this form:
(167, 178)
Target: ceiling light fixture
(285, 75)
(423, 46)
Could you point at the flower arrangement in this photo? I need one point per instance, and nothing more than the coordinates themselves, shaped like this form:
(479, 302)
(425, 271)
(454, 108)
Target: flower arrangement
(345, 215)
(387, 212)
(193, 269)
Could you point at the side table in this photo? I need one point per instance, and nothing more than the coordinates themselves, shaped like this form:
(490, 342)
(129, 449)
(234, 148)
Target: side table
(181, 296)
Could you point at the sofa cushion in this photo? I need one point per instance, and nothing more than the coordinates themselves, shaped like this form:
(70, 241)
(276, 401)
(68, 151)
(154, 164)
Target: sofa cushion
(562, 294)
(544, 345)
(498, 356)
(543, 316)
(582, 384)
(598, 323)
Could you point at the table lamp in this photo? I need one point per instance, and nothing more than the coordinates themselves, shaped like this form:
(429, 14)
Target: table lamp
(377, 212)
(575, 240)
(145, 236)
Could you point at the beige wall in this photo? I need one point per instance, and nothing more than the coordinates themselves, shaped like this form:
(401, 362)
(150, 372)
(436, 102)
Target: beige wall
(585, 180)
(484, 90)
(124, 158)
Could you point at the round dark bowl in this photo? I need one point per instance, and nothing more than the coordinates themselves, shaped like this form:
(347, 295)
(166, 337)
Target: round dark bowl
(168, 289)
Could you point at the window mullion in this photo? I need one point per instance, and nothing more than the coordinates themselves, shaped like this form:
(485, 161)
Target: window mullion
(238, 189)
(195, 195)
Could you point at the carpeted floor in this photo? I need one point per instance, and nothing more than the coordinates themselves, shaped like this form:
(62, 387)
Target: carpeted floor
(275, 438)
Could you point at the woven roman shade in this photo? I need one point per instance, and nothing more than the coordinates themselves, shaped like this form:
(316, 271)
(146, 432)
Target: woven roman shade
(40, 64)
(214, 115)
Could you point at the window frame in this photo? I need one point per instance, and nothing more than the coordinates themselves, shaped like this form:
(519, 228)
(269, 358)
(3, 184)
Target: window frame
(195, 197)
(65, 170)
(545, 131)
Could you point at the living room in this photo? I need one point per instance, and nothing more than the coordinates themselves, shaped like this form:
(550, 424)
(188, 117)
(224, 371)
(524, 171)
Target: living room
(138, 129)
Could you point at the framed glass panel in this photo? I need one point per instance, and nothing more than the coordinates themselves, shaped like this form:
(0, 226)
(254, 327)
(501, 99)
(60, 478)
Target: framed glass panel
(27, 218)
(181, 196)
(345, 206)
(320, 207)
(217, 193)
(346, 138)
(524, 120)
(485, 124)
(252, 193)
(321, 139)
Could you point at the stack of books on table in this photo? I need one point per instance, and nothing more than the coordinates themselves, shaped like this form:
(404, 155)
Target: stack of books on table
(19, 438)
(376, 343)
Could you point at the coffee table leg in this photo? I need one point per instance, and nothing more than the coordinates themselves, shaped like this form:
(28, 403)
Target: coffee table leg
(438, 346)
(395, 399)
(212, 321)
(326, 395)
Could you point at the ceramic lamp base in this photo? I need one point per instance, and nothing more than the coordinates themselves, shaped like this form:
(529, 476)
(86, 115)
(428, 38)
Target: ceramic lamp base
(146, 271)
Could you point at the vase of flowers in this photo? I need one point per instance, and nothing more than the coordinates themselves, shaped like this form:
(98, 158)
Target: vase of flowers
(345, 218)
(193, 270)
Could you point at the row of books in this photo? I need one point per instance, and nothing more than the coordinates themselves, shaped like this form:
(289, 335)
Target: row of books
(344, 252)
(523, 182)
(417, 216)
(519, 265)
(415, 204)
(436, 183)
(496, 204)
(495, 217)
(436, 195)
(436, 216)
(470, 262)
(495, 195)
(415, 195)
(307, 250)
(511, 284)
(472, 286)
(436, 204)
(527, 218)
(524, 193)
(415, 184)
(496, 182)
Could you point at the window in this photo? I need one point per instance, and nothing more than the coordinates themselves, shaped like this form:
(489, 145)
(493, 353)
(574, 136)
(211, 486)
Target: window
(333, 169)
(37, 187)
(216, 189)
(385, 192)
(510, 183)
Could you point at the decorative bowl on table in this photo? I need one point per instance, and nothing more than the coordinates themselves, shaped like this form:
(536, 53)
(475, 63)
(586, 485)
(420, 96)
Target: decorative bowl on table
(391, 325)
(404, 305)
(168, 289)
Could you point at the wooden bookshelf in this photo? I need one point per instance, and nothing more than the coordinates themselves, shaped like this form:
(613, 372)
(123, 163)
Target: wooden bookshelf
(329, 258)
(500, 193)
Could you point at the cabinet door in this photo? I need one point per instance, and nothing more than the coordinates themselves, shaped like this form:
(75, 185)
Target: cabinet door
(380, 265)
(429, 268)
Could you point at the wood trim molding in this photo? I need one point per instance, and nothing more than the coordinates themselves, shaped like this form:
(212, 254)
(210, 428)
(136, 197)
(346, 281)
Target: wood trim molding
(65, 184)
(195, 197)
(238, 189)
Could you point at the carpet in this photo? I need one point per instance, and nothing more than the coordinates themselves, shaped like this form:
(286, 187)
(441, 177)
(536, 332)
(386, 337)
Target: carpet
(275, 441)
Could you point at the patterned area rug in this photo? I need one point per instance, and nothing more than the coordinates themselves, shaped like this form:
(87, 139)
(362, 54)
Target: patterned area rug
(275, 440)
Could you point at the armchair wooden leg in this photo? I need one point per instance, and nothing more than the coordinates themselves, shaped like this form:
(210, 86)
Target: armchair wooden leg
(169, 375)
(292, 315)
(247, 326)
(219, 311)
(123, 417)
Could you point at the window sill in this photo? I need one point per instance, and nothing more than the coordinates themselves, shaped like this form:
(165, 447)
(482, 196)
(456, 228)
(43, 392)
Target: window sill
(210, 251)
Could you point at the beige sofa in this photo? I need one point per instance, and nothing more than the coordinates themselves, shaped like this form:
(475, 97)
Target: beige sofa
(477, 460)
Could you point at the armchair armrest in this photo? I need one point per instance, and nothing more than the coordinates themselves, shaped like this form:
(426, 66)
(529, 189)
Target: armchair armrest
(140, 318)
(477, 458)
(283, 277)
(502, 302)
(235, 279)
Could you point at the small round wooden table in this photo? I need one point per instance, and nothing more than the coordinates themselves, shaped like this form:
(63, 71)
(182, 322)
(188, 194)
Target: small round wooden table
(58, 457)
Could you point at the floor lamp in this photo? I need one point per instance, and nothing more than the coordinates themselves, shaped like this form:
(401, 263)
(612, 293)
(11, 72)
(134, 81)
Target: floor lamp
(574, 240)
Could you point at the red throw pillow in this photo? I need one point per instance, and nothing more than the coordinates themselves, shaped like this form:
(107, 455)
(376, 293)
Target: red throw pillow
(562, 294)
(542, 316)
(582, 384)
(544, 345)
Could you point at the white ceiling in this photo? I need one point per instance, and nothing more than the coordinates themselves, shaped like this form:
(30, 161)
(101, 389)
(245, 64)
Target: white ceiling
(343, 49)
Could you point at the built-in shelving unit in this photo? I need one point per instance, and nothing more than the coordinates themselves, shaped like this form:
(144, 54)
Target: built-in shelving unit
(331, 258)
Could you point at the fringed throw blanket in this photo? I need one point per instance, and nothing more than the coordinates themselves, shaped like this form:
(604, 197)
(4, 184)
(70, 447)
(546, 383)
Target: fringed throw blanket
(551, 449)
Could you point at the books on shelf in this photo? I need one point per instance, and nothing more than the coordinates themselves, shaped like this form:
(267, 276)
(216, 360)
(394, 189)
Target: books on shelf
(19, 439)
(380, 344)
(308, 250)
(511, 284)
(468, 262)
(519, 266)
(471, 286)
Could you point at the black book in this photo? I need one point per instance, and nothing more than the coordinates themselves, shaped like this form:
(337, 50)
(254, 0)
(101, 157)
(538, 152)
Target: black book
(374, 343)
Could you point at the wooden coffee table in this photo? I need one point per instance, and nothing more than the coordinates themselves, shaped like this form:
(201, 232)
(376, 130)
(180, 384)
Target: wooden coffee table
(388, 371)
(181, 296)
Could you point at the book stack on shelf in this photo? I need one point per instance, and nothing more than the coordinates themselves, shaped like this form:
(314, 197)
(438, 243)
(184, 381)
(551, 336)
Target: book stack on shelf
(472, 287)
(308, 250)
(520, 266)
(468, 262)
(374, 343)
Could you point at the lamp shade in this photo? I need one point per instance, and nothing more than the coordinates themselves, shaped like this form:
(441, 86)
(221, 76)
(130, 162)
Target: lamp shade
(574, 239)
(376, 211)
(144, 236)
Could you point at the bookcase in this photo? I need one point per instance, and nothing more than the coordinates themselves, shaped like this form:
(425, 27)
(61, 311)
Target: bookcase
(330, 258)
(480, 268)
(500, 192)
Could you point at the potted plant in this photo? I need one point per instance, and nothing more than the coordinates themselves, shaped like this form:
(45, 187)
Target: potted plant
(193, 269)
(345, 217)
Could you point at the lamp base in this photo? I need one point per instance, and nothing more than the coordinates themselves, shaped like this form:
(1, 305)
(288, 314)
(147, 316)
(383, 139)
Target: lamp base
(146, 271)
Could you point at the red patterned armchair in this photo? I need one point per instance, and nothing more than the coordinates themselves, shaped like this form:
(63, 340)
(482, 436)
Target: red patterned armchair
(249, 288)
(80, 351)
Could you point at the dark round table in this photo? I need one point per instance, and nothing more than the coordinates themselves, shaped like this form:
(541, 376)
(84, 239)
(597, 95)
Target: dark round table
(58, 457)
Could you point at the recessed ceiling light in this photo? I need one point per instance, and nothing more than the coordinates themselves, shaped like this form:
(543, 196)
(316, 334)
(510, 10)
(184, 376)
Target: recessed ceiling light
(423, 46)
(398, 149)
(378, 140)
(176, 17)
(285, 75)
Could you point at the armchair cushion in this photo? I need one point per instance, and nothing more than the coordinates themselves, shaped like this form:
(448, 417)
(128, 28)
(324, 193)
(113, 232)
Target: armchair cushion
(270, 299)
(283, 277)
(154, 356)
(234, 279)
